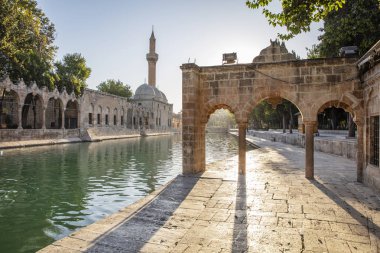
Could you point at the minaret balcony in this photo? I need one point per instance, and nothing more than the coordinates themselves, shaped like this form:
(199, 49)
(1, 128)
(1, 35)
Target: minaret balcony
(152, 57)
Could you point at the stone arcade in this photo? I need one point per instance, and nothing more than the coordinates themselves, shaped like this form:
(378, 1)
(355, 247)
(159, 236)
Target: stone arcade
(311, 85)
(30, 112)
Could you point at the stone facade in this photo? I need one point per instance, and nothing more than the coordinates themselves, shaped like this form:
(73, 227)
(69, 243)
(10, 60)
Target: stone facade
(311, 85)
(57, 112)
(91, 113)
(150, 97)
(369, 67)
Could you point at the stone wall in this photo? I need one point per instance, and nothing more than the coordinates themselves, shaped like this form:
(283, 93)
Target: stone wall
(8, 135)
(369, 66)
(36, 113)
(341, 147)
(311, 85)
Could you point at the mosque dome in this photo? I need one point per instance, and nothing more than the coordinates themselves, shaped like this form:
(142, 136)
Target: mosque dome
(146, 91)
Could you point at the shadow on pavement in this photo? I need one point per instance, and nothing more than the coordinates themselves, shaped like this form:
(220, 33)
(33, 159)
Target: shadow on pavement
(240, 236)
(133, 233)
(355, 214)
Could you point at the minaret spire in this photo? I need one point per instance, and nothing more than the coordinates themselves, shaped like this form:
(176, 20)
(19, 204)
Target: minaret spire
(152, 58)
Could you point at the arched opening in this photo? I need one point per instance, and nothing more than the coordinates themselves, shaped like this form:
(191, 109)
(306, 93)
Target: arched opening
(99, 116)
(122, 117)
(71, 115)
(336, 119)
(32, 112)
(53, 114)
(9, 110)
(91, 115)
(224, 145)
(107, 116)
(337, 128)
(276, 114)
(115, 117)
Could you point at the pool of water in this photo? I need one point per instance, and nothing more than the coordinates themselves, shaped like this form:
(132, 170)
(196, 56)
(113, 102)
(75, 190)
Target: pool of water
(48, 192)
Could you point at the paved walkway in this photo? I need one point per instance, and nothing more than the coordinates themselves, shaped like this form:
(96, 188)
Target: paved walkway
(272, 209)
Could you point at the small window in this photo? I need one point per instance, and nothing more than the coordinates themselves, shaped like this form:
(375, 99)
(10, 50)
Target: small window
(98, 119)
(114, 120)
(107, 123)
(374, 140)
(121, 120)
(90, 118)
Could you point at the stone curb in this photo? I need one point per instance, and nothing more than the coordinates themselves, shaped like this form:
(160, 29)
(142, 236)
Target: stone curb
(83, 238)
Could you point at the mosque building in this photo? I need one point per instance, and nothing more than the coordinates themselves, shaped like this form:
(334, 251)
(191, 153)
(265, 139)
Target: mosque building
(27, 108)
(149, 96)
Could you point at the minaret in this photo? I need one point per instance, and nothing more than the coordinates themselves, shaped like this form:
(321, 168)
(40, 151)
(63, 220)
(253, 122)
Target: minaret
(152, 58)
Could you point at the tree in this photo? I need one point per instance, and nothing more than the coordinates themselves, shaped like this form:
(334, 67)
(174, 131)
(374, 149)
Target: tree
(72, 73)
(117, 88)
(356, 24)
(296, 15)
(26, 42)
(264, 116)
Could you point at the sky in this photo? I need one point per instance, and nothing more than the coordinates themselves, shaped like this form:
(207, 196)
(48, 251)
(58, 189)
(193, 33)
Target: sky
(113, 36)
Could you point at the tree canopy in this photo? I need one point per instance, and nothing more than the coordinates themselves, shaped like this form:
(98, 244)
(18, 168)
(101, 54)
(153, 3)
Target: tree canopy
(356, 24)
(26, 42)
(116, 88)
(72, 73)
(264, 116)
(296, 15)
(222, 118)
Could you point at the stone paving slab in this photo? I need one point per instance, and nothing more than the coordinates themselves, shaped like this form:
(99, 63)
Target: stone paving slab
(271, 209)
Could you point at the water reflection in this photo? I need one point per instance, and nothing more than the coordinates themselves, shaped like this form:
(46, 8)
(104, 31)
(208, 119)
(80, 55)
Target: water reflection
(47, 192)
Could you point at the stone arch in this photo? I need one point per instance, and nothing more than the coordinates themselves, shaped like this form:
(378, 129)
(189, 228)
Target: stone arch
(53, 113)
(107, 113)
(71, 114)
(115, 116)
(220, 103)
(9, 104)
(347, 102)
(122, 117)
(255, 100)
(99, 115)
(32, 111)
(91, 114)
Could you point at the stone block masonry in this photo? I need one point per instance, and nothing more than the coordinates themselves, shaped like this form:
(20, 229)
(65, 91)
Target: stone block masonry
(273, 208)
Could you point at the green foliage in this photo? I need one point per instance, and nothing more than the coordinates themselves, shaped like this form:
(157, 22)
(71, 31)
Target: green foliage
(72, 73)
(116, 88)
(26, 42)
(314, 52)
(222, 118)
(264, 116)
(296, 15)
(356, 24)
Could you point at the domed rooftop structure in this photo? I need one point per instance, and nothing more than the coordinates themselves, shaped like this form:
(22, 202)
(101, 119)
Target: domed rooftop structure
(276, 52)
(146, 91)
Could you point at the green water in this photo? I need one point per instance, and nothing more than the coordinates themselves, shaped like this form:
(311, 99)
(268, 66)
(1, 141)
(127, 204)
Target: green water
(48, 192)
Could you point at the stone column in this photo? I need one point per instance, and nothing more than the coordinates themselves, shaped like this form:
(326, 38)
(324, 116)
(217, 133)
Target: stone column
(192, 130)
(19, 111)
(63, 118)
(309, 149)
(43, 117)
(359, 152)
(242, 147)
